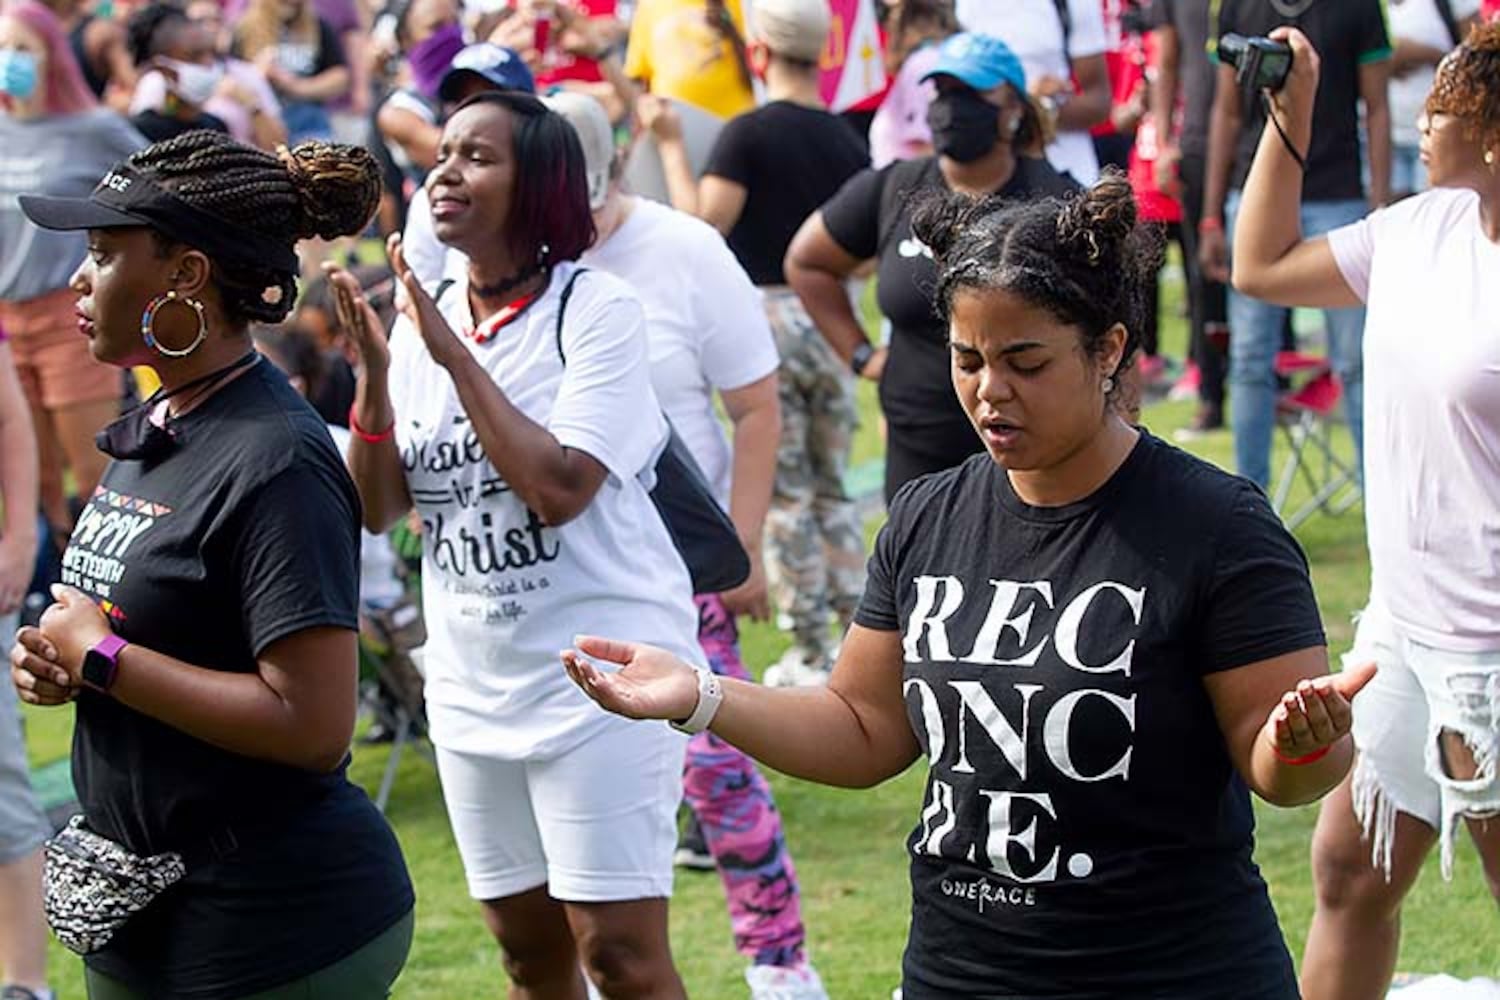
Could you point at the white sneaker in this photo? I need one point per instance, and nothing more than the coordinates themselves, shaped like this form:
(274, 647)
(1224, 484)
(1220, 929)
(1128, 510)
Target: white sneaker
(794, 670)
(780, 982)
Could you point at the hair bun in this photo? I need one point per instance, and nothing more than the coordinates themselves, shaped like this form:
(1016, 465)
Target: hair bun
(338, 187)
(1100, 220)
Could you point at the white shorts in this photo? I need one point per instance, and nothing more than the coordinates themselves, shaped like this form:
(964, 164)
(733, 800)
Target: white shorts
(1418, 693)
(595, 824)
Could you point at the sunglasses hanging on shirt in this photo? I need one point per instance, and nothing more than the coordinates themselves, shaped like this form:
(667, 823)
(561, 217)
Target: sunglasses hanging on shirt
(136, 437)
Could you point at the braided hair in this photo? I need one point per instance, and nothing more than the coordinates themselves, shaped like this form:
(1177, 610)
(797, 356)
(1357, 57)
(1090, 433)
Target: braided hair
(1086, 259)
(314, 189)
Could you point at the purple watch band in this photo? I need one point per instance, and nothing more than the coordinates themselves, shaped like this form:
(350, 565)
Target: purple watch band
(101, 677)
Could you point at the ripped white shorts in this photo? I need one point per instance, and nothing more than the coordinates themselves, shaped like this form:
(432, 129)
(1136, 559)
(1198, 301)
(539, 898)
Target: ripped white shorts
(1418, 693)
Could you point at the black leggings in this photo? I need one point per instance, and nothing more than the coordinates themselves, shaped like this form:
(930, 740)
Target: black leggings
(911, 452)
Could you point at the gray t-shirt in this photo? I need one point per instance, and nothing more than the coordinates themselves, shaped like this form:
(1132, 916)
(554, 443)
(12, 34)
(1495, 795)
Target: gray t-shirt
(1195, 71)
(58, 155)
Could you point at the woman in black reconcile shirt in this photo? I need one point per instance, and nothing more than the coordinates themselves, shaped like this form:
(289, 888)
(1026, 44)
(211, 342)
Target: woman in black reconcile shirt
(987, 136)
(207, 625)
(1099, 643)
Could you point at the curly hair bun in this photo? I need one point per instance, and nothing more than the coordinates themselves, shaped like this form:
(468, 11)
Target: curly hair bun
(1484, 38)
(1098, 223)
(338, 188)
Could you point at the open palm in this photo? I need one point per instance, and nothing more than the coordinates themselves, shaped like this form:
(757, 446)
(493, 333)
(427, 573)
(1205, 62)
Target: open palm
(650, 684)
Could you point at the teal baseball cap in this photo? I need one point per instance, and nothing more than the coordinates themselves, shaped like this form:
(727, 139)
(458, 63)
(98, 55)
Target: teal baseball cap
(983, 62)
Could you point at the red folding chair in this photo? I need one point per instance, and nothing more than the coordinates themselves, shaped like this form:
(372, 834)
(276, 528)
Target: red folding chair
(1307, 414)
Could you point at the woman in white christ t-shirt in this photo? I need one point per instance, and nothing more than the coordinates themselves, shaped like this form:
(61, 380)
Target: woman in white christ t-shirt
(1428, 728)
(523, 442)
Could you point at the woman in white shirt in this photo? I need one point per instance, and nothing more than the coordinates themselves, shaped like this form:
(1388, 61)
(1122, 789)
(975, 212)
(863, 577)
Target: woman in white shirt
(521, 437)
(1428, 728)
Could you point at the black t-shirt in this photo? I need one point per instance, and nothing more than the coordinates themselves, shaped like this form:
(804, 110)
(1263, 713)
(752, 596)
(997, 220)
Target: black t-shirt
(1084, 832)
(1348, 34)
(156, 126)
(790, 159)
(247, 532)
(870, 217)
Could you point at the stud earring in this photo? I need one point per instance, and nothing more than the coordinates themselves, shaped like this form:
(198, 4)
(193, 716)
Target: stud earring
(1489, 158)
(1108, 385)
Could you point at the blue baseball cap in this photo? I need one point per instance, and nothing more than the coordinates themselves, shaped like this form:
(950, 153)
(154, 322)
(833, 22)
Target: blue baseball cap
(502, 68)
(983, 62)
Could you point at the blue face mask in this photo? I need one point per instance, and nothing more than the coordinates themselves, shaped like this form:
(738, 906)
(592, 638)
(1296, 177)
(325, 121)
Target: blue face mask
(17, 73)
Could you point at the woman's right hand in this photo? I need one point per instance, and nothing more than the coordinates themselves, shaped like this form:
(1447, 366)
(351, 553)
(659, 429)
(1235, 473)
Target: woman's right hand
(650, 684)
(358, 318)
(34, 670)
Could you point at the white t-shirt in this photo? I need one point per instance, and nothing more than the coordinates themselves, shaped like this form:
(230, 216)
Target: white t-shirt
(1418, 21)
(1033, 30)
(704, 319)
(503, 593)
(1432, 414)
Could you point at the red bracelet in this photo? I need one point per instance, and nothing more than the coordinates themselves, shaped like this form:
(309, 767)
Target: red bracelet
(1210, 224)
(1311, 758)
(365, 435)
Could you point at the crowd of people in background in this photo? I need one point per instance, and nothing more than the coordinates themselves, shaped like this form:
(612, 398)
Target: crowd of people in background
(472, 272)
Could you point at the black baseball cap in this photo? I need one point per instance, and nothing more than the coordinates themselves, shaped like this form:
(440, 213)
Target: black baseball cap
(127, 198)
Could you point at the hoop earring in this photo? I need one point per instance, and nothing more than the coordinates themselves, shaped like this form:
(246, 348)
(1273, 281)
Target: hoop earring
(148, 320)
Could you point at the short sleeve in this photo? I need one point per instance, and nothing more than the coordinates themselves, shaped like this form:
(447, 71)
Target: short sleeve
(877, 605)
(607, 373)
(852, 215)
(737, 346)
(1464, 9)
(1260, 598)
(1160, 14)
(730, 157)
(295, 551)
(1087, 37)
(638, 45)
(1353, 249)
(1374, 40)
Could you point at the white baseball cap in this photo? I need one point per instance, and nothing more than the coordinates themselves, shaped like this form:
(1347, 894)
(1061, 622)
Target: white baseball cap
(595, 134)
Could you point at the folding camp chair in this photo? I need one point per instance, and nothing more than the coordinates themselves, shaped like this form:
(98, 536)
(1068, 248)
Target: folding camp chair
(391, 639)
(1307, 413)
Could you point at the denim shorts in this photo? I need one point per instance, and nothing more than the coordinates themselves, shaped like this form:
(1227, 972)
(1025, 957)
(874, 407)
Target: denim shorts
(23, 825)
(1419, 693)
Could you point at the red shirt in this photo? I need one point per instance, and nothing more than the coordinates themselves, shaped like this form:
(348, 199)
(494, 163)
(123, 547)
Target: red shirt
(570, 67)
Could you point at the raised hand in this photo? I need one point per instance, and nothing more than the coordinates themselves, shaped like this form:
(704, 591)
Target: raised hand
(358, 318)
(1317, 714)
(650, 684)
(442, 343)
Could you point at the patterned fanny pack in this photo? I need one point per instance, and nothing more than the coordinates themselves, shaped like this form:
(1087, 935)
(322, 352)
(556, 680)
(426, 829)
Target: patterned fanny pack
(94, 885)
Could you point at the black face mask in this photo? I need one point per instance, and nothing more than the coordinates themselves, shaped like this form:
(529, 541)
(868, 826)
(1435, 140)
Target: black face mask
(964, 125)
(134, 437)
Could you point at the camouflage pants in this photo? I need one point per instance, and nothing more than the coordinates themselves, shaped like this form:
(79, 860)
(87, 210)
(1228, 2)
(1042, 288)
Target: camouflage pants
(814, 541)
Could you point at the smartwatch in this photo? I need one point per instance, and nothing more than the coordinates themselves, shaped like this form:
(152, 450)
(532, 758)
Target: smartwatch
(101, 663)
(860, 359)
(710, 696)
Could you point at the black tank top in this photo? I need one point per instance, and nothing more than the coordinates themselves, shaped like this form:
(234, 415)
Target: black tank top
(75, 38)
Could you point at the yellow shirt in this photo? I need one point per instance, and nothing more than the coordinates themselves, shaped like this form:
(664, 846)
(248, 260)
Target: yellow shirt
(677, 53)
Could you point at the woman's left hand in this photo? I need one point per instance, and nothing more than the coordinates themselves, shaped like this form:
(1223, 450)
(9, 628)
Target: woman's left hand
(1317, 714)
(442, 343)
(74, 625)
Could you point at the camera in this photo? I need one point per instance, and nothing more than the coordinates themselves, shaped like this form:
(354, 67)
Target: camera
(1260, 64)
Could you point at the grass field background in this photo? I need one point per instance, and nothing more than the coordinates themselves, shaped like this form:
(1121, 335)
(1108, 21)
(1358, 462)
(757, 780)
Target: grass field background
(848, 845)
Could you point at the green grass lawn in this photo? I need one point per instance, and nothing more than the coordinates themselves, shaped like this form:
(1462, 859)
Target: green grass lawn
(848, 845)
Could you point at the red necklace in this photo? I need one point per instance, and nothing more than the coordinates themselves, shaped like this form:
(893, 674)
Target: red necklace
(485, 332)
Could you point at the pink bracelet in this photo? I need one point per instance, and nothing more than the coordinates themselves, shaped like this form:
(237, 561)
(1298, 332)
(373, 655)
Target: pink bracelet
(1311, 758)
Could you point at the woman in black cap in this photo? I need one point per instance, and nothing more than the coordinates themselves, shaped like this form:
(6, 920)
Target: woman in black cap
(206, 625)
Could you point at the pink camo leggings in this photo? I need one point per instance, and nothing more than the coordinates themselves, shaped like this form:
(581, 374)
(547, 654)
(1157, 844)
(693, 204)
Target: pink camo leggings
(733, 803)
